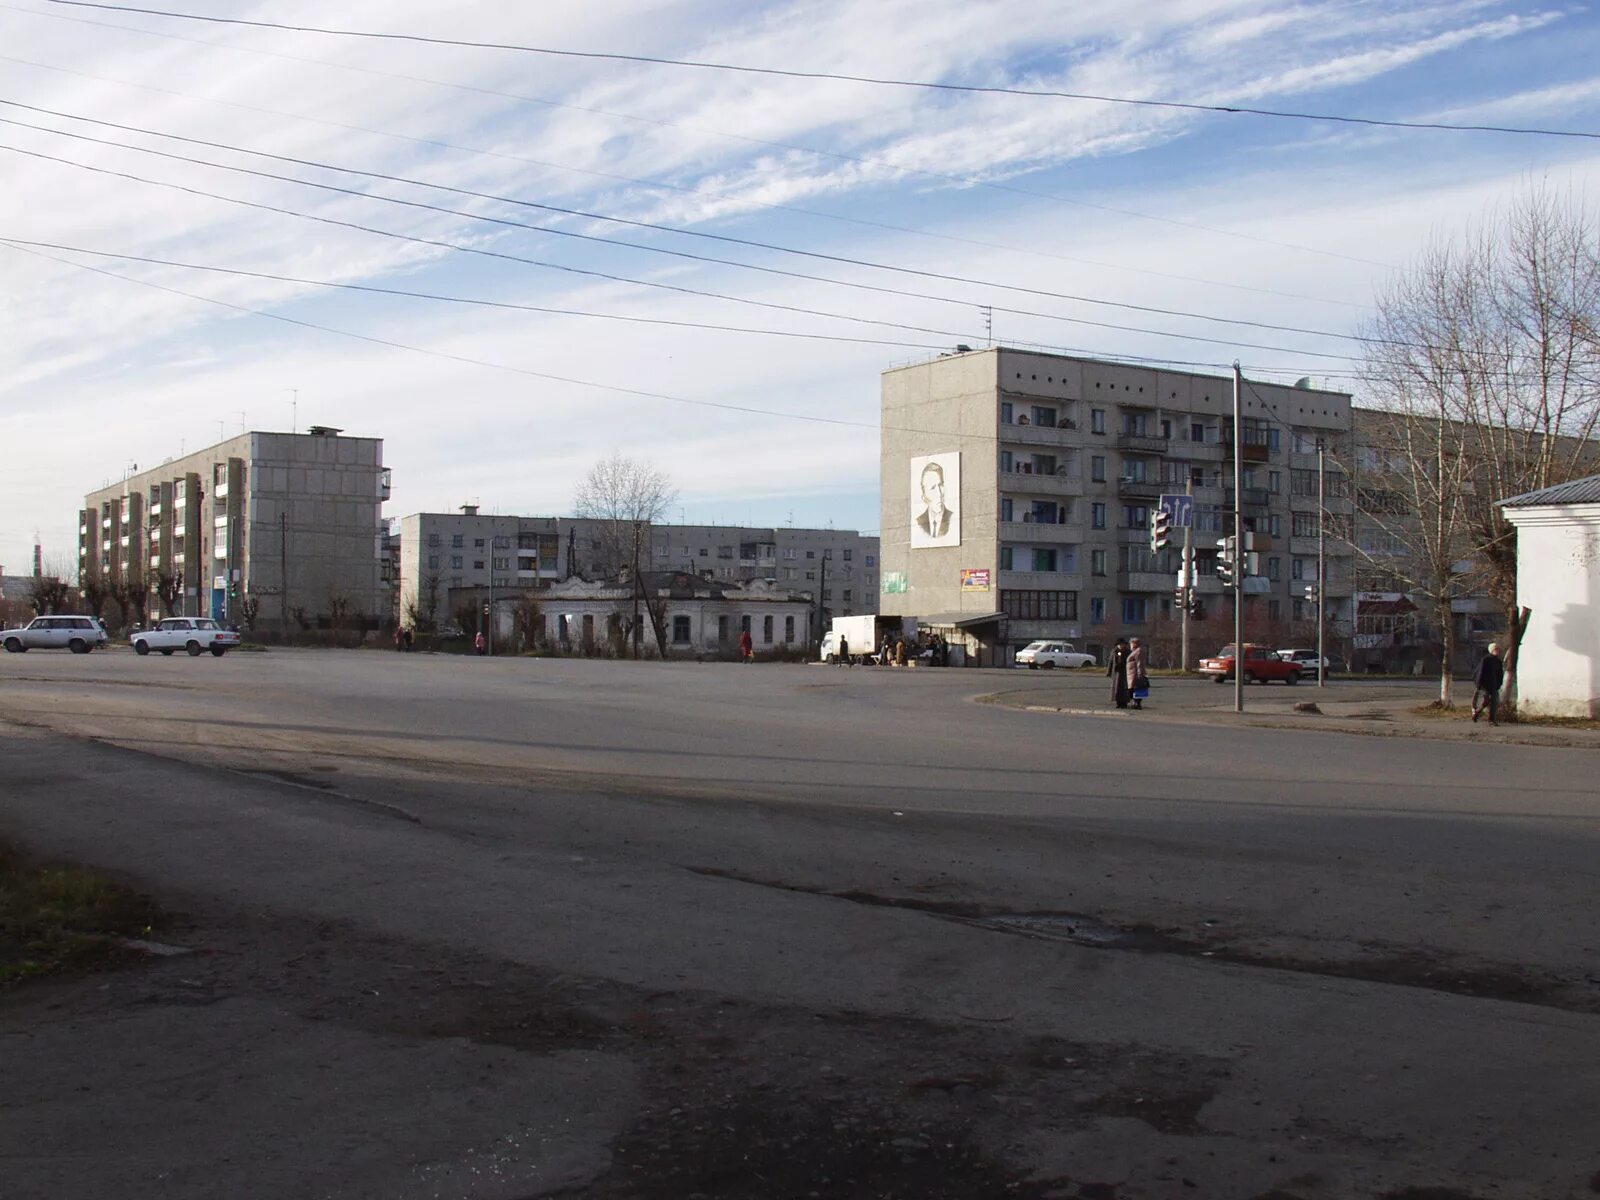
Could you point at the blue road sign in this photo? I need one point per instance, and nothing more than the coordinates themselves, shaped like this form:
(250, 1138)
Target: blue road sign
(1180, 511)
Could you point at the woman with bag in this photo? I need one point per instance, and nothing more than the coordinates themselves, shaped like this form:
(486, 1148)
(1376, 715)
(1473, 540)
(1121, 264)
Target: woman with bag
(1117, 669)
(1138, 681)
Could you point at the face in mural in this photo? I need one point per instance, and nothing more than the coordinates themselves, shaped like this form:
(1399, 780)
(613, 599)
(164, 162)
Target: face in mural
(936, 483)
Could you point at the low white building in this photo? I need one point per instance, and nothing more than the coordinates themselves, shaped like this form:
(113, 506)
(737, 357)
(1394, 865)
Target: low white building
(702, 618)
(1558, 581)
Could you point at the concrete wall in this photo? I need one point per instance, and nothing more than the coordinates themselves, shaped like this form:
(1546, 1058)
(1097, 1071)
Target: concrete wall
(1558, 579)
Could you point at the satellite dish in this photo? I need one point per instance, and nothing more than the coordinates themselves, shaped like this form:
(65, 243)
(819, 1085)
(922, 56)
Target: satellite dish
(1304, 381)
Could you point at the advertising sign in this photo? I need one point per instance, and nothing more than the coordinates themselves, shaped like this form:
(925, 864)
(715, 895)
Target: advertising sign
(975, 579)
(894, 581)
(935, 500)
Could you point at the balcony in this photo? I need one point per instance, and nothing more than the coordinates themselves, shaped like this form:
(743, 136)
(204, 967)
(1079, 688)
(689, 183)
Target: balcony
(1146, 581)
(1065, 482)
(1199, 451)
(1254, 452)
(1306, 547)
(220, 492)
(1138, 489)
(154, 511)
(1040, 531)
(1253, 497)
(1142, 443)
(1036, 435)
(385, 482)
(1048, 581)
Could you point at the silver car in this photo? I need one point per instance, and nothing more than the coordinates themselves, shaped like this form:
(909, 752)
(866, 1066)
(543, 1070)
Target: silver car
(78, 634)
(194, 635)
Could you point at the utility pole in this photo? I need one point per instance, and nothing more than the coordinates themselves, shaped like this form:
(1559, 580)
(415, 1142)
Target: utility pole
(822, 587)
(1238, 539)
(1322, 562)
(283, 571)
(1186, 571)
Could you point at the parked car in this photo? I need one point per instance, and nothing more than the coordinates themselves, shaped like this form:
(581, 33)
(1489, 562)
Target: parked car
(1306, 659)
(1048, 655)
(194, 634)
(78, 634)
(1260, 666)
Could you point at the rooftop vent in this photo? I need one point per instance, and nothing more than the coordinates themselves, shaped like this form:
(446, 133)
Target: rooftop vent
(324, 431)
(469, 510)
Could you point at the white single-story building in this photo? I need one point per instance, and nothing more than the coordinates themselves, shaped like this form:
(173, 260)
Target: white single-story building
(1558, 581)
(702, 618)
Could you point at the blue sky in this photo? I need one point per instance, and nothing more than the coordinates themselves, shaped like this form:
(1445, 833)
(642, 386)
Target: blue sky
(1286, 222)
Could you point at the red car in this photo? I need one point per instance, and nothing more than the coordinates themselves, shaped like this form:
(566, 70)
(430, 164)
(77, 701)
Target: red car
(1260, 665)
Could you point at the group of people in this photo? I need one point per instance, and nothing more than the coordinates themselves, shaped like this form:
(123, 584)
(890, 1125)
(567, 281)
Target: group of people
(403, 637)
(1130, 683)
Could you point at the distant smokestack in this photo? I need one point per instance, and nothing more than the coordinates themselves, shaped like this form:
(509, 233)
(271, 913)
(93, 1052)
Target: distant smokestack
(38, 561)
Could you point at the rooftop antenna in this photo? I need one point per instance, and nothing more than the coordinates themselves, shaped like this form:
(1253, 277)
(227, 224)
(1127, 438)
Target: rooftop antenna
(294, 409)
(988, 324)
(241, 422)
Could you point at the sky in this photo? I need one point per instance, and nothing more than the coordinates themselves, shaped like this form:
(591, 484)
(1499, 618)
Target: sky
(893, 222)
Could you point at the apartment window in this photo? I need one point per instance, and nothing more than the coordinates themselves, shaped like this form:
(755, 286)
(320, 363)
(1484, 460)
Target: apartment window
(1005, 461)
(828, 554)
(788, 629)
(1097, 516)
(811, 554)
(766, 630)
(848, 554)
(502, 564)
(1005, 509)
(1274, 440)
(811, 574)
(1005, 558)
(1044, 559)
(1197, 476)
(1304, 525)
(455, 562)
(477, 564)
(1135, 516)
(1274, 568)
(1097, 562)
(433, 539)
(502, 542)
(1133, 610)
(1274, 482)
(455, 541)
(872, 560)
(1097, 420)
(1275, 525)
(1302, 483)
(847, 595)
(1133, 470)
(1097, 468)
(1040, 606)
(1043, 416)
(1197, 431)
(1274, 610)
(680, 631)
(477, 543)
(1097, 610)
(1166, 430)
(433, 562)
(827, 593)
(744, 624)
(1135, 422)
(790, 552)
(1297, 569)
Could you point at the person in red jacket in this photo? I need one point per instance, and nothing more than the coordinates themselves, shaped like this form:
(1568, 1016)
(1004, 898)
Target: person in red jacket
(747, 649)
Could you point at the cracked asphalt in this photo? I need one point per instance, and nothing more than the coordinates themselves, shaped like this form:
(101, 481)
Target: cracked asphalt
(515, 928)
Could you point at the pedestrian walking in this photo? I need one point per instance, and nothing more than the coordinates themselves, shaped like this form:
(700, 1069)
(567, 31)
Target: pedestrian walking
(1117, 669)
(747, 648)
(1488, 680)
(886, 654)
(480, 643)
(1138, 681)
(844, 652)
(900, 652)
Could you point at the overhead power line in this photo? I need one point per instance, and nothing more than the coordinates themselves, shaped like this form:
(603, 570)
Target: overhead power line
(560, 210)
(664, 185)
(503, 221)
(835, 76)
(657, 122)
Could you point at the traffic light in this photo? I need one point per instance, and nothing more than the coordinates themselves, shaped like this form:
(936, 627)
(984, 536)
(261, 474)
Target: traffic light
(233, 589)
(1181, 598)
(1225, 548)
(486, 608)
(1160, 524)
(1313, 592)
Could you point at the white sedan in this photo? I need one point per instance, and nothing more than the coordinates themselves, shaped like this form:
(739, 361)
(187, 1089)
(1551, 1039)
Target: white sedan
(193, 634)
(1052, 654)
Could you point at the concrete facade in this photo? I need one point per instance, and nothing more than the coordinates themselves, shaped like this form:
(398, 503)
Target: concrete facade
(1060, 461)
(1558, 580)
(471, 552)
(291, 521)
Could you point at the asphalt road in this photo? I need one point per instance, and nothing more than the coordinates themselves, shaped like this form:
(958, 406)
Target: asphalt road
(1368, 961)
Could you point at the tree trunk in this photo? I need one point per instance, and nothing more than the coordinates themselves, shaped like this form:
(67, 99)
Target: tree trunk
(1516, 628)
(1447, 630)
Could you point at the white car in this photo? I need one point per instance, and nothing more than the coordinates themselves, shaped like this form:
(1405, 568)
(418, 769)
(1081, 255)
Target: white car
(193, 634)
(1307, 660)
(1052, 654)
(78, 634)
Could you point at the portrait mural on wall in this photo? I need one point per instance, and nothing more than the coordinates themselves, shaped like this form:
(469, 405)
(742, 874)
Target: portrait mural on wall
(936, 500)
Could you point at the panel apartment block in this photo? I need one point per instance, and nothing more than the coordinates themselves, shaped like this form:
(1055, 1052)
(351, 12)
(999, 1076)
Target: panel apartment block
(291, 521)
(1040, 472)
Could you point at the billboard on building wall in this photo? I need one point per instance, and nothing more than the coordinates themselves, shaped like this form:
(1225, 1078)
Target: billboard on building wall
(975, 579)
(936, 500)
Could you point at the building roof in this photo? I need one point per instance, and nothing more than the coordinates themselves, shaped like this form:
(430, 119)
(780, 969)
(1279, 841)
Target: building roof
(1576, 491)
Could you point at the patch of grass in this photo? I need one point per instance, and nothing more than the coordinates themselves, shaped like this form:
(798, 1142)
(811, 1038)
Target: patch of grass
(56, 918)
(1463, 712)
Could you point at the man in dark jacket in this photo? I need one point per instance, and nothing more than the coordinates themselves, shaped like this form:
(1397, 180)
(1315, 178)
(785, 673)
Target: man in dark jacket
(1490, 677)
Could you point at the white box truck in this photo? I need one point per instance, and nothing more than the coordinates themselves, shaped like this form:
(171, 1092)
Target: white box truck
(859, 632)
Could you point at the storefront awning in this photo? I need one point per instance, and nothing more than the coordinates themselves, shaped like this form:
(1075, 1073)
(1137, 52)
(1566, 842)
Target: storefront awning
(963, 620)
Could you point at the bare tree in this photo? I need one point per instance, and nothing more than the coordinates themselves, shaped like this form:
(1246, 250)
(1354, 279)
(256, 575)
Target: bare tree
(170, 588)
(1485, 356)
(48, 594)
(627, 497)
